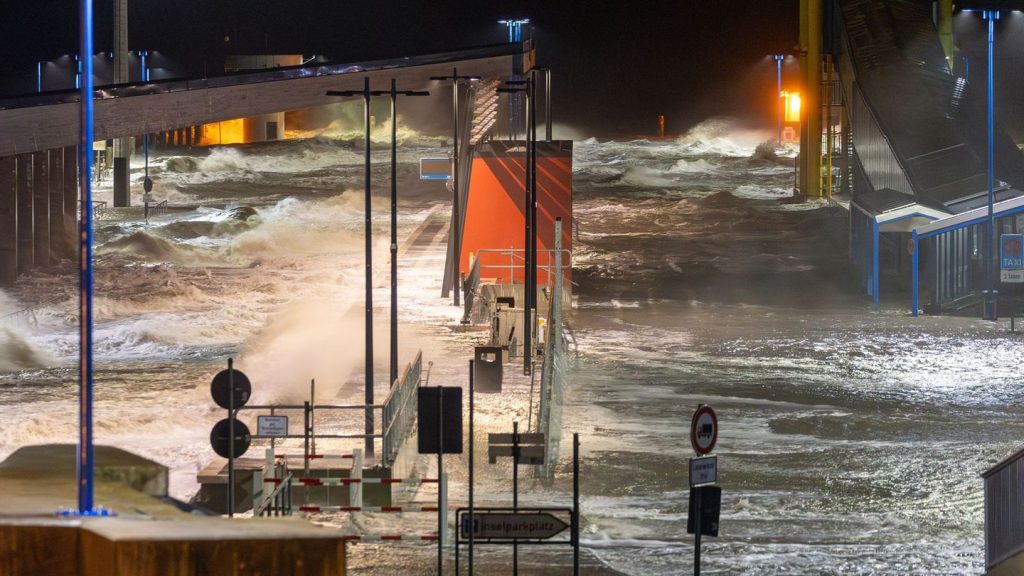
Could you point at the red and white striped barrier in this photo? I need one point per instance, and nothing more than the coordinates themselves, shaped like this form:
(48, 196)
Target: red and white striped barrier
(367, 508)
(347, 481)
(391, 538)
(315, 456)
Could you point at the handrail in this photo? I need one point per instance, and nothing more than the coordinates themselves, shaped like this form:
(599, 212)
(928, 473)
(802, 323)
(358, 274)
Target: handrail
(398, 413)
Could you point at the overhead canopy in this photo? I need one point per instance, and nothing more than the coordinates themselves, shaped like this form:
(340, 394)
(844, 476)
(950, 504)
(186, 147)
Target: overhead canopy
(50, 120)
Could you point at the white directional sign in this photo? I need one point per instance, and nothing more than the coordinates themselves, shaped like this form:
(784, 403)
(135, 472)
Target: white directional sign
(510, 525)
(703, 470)
(704, 430)
(271, 425)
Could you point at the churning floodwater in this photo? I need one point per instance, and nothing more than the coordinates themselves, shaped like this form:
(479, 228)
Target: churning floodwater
(852, 436)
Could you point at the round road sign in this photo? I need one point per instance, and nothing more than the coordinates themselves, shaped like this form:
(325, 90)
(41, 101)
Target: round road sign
(219, 388)
(219, 438)
(147, 185)
(704, 430)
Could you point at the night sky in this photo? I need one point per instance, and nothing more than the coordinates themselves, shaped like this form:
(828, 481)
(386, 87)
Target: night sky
(616, 65)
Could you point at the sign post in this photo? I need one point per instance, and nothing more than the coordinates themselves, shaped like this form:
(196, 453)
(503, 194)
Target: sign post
(230, 390)
(703, 471)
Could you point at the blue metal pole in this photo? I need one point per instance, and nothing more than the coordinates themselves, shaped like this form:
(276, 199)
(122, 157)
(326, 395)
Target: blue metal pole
(991, 295)
(39, 76)
(85, 138)
(916, 273)
(874, 259)
(778, 93)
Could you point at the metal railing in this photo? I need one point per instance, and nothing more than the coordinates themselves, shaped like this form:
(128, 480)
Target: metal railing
(99, 209)
(27, 317)
(397, 416)
(513, 259)
(549, 413)
(398, 413)
(1004, 510)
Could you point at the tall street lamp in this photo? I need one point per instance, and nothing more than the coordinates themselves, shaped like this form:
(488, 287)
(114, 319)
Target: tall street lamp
(368, 429)
(456, 228)
(991, 294)
(395, 93)
(529, 215)
(778, 93)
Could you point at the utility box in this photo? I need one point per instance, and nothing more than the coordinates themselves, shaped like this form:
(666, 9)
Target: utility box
(488, 369)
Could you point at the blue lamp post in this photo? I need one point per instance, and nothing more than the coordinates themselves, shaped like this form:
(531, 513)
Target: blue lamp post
(778, 94)
(990, 294)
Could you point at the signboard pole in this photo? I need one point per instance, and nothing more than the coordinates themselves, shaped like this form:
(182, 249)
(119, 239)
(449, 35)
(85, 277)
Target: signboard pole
(699, 528)
(575, 504)
(515, 492)
(471, 476)
(231, 438)
(440, 473)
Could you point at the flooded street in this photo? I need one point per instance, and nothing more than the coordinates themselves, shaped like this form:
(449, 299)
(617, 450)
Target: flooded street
(852, 436)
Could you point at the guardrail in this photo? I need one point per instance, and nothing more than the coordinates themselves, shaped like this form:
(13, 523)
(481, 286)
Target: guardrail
(1004, 510)
(399, 410)
(99, 208)
(398, 416)
(26, 317)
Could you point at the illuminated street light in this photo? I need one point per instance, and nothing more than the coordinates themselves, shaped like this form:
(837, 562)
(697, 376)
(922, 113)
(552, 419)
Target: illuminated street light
(368, 385)
(990, 294)
(778, 94)
(515, 28)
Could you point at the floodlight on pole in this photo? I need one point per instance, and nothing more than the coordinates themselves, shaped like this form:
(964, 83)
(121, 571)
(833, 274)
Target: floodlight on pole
(394, 93)
(779, 103)
(990, 294)
(369, 380)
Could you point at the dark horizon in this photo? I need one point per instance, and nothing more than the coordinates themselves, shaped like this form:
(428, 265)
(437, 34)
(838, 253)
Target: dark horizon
(616, 66)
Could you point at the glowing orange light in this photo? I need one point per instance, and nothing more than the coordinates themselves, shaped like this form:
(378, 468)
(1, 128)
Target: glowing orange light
(226, 132)
(792, 106)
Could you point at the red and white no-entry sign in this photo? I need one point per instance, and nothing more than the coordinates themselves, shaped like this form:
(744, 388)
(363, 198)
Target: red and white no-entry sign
(704, 430)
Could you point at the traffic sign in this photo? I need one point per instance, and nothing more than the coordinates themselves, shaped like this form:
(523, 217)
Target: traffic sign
(1011, 258)
(435, 168)
(220, 435)
(272, 426)
(219, 388)
(703, 470)
(704, 430)
(510, 525)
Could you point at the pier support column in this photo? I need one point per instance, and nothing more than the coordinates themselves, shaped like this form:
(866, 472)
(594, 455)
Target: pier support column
(945, 26)
(55, 196)
(8, 221)
(69, 195)
(810, 109)
(40, 209)
(122, 146)
(26, 252)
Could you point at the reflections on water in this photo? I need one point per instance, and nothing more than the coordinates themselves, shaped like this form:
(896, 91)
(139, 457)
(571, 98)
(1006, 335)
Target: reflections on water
(852, 436)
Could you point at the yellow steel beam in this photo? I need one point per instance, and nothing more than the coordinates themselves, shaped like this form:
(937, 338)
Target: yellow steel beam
(810, 111)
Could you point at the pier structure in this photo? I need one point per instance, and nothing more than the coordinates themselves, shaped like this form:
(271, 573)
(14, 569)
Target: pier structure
(893, 127)
(38, 132)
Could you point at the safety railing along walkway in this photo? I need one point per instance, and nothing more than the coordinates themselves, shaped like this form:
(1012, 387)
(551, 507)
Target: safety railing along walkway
(397, 417)
(279, 500)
